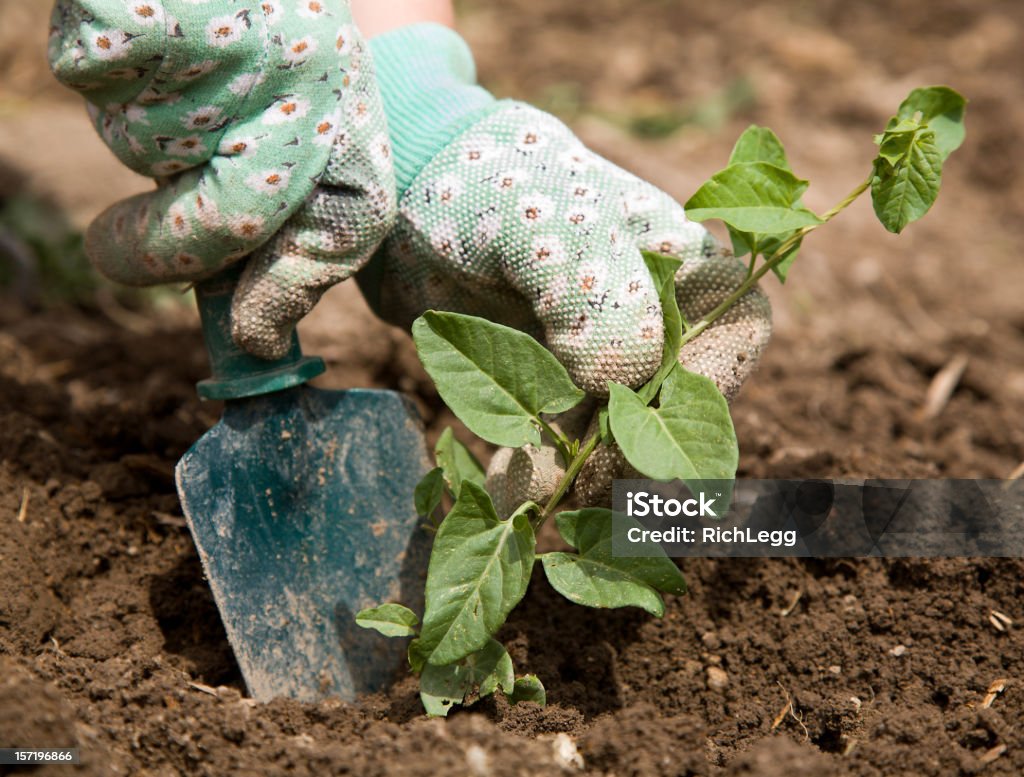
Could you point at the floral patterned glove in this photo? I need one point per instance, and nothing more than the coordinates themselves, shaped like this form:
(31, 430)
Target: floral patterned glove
(503, 213)
(261, 122)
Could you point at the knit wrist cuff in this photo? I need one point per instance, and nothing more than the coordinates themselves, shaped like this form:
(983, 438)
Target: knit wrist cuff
(427, 79)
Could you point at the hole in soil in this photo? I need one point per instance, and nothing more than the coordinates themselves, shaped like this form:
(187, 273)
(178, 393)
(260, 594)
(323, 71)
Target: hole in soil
(831, 739)
(979, 739)
(819, 568)
(940, 698)
(830, 742)
(908, 574)
(984, 575)
(191, 625)
(569, 672)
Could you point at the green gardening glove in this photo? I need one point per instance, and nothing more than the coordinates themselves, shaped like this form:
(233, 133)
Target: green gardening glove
(504, 214)
(261, 123)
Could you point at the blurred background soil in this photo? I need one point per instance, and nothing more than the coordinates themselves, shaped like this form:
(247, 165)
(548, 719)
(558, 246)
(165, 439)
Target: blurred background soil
(109, 640)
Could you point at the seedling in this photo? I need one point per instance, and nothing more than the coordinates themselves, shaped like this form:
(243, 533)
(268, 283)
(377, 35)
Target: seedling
(503, 385)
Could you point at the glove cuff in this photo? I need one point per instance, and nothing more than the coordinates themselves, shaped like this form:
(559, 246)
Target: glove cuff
(427, 79)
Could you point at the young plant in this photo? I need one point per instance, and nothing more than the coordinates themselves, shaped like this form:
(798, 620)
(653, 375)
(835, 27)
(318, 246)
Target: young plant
(502, 384)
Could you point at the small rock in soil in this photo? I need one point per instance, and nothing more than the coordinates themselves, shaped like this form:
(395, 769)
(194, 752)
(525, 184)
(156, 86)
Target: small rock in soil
(718, 680)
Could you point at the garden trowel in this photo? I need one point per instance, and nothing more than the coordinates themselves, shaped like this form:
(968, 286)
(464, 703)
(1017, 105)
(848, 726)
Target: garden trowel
(301, 505)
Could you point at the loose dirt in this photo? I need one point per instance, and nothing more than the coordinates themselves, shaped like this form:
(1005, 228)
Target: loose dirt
(110, 642)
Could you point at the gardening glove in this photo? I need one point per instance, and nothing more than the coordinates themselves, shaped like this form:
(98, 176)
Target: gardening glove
(504, 214)
(263, 127)
(727, 352)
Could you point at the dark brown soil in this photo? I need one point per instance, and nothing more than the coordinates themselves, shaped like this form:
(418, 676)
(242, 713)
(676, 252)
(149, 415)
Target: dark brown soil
(109, 640)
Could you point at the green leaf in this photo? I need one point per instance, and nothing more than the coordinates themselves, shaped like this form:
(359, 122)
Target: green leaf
(457, 462)
(478, 675)
(595, 577)
(497, 380)
(690, 436)
(897, 125)
(743, 243)
(927, 128)
(429, 491)
(529, 688)
(759, 144)
(604, 426)
(771, 243)
(755, 243)
(663, 271)
(479, 569)
(495, 664)
(753, 197)
(391, 620)
(907, 176)
(417, 656)
(896, 141)
(590, 531)
(756, 144)
(593, 584)
(942, 110)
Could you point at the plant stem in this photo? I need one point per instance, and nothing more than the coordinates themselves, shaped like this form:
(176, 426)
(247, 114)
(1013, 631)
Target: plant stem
(570, 475)
(772, 261)
(830, 214)
(686, 324)
(559, 439)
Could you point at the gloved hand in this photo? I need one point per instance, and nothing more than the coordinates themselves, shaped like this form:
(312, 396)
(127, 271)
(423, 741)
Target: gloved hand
(504, 214)
(264, 129)
(727, 352)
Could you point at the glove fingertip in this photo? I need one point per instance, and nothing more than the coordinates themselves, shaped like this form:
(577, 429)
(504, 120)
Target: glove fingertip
(262, 342)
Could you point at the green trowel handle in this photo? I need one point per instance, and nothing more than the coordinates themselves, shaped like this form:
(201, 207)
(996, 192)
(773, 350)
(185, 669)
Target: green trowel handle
(237, 374)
